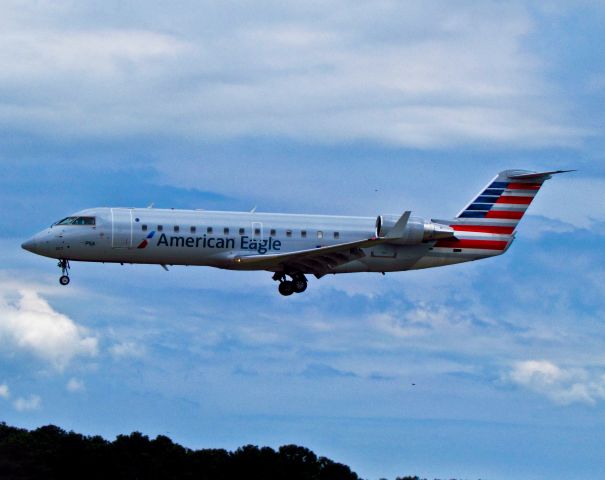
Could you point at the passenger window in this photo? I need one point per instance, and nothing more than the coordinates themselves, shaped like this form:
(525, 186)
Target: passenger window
(320, 234)
(241, 231)
(336, 235)
(144, 228)
(288, 233)
(226, 231)
(192, 229)
(257, 232)
(303, 233)
(176, 228)
(160, 228)
(273, 232)
(209, 229)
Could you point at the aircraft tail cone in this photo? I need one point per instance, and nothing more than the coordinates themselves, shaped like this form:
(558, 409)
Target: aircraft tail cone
(436, 231)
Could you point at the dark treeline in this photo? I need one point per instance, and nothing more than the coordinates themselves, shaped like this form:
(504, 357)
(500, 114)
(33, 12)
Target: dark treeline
(52, 453)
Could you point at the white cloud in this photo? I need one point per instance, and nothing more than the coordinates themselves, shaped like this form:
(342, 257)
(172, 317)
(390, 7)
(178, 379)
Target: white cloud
(104, 53)
(33, 402)
(127, 349)
(416, 74)
(74, 385)
(562, 385)
(536, 226)
(28, 323)
(4, 391)
(422, 319)
(577, 199)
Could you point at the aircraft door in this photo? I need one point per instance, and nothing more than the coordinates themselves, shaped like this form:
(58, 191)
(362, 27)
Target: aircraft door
(257, 230)
(121, 228)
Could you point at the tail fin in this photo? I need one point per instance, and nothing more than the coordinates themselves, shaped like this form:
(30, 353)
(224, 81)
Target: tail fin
(502, 203)
(486, 225)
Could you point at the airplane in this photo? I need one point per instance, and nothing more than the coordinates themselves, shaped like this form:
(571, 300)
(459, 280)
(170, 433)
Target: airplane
(293, 246)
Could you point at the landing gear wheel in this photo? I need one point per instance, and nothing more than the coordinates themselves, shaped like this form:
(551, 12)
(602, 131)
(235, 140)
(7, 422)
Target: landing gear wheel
(64, 266)
(299, 284)
(286, 288)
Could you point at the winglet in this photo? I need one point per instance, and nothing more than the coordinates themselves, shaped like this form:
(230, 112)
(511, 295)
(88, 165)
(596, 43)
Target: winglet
(398, 229)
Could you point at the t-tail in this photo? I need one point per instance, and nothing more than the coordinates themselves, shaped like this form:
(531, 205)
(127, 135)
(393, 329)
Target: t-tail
(486, 226)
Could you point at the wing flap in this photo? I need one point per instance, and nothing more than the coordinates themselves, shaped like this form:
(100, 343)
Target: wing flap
(321, 265)
(344, 249)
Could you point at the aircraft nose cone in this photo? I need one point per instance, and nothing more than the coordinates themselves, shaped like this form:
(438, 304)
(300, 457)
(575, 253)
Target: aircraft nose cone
(29, 245)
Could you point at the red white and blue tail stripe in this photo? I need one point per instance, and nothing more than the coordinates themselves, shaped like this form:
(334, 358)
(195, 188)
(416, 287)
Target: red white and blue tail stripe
(486, 225)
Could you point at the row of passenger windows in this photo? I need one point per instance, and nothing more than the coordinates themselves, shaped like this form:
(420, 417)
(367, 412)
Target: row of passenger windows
(242, 231)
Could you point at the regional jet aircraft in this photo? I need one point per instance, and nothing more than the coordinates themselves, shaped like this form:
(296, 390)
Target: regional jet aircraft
(292, 246)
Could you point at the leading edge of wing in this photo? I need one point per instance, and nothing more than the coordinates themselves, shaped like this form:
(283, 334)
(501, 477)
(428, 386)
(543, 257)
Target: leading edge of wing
(275, 259)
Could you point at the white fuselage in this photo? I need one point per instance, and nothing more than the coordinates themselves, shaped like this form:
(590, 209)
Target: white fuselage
(292, 246)
(211, 238)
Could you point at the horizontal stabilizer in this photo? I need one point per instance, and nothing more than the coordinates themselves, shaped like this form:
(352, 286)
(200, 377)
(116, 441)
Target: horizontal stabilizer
(533, 176)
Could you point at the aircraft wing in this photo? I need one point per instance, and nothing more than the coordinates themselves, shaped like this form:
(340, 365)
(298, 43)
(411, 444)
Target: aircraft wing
(316, 260)
(322, 259)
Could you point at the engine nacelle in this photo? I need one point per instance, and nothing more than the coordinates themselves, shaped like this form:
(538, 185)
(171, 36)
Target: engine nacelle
(417, 230)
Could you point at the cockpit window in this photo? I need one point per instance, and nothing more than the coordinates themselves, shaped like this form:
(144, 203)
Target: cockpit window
(84, 221)
(77, 221)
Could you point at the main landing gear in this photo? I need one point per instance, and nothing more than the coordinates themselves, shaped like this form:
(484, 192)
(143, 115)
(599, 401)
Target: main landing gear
(298, 284)
(64, 266)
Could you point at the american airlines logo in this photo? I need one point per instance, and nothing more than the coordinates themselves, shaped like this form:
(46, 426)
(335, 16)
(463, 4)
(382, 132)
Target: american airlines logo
(145, 242)
(229, 243)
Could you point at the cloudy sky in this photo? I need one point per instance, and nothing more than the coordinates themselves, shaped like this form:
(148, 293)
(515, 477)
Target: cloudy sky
(320, 107)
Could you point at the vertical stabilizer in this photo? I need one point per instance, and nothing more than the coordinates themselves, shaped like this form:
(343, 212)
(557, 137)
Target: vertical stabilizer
(486, 225)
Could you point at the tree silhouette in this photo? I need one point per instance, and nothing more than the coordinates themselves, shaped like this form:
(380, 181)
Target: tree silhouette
(52, 453)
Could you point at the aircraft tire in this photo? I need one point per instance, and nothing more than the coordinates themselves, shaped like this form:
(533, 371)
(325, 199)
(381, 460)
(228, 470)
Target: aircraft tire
(299, 285)
(64, 280)
(286, 288)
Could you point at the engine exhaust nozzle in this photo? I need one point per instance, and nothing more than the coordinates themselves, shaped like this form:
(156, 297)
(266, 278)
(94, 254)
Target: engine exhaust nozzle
(437, 231)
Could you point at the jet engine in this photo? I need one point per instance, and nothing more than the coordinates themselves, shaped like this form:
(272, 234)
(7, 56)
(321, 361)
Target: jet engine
(417, 230)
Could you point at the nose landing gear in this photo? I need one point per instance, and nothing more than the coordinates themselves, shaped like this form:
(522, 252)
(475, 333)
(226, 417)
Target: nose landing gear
(64, 266)
(298, 284)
